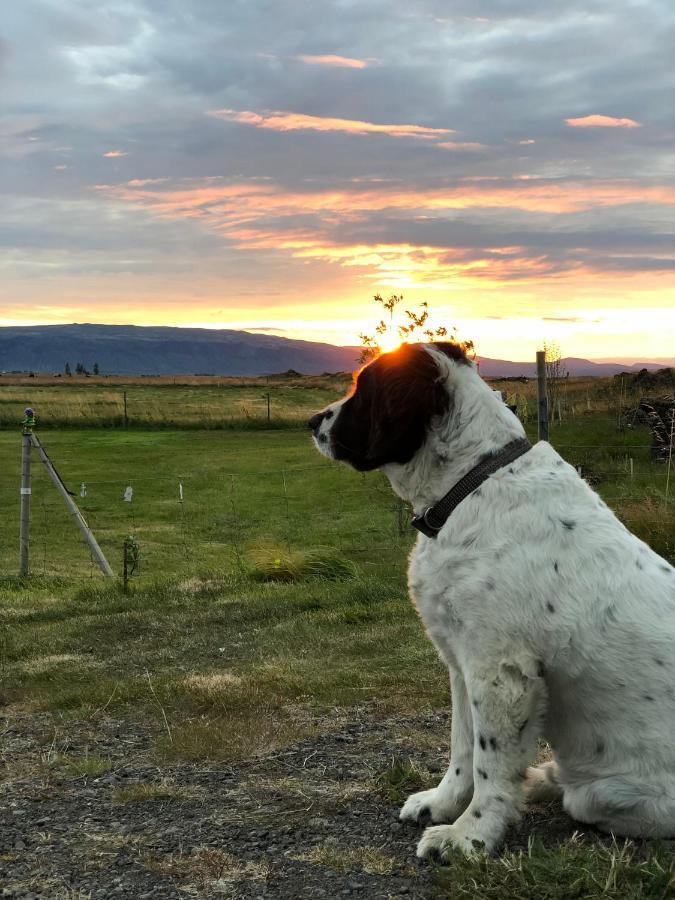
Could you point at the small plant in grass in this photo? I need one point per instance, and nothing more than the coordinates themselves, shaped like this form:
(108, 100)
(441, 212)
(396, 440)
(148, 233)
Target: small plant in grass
(78, 766)
(275, 564)
(415, 327)
(556, 379)
(400, 779)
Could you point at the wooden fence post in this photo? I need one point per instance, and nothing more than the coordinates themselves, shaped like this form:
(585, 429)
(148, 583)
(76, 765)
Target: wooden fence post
(126, 417)
(542, 398)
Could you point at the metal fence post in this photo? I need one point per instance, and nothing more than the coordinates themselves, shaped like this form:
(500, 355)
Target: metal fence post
(542, 398)
(24, 528)
(125, 566)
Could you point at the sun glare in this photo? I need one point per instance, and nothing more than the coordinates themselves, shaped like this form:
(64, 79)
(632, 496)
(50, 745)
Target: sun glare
(388, 342)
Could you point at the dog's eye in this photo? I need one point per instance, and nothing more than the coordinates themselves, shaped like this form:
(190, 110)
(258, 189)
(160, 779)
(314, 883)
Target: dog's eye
(328, 414)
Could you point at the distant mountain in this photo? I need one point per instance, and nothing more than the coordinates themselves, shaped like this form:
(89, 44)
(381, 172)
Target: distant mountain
(143, 350)
(663, 361)
(501, 368)
(139, 350)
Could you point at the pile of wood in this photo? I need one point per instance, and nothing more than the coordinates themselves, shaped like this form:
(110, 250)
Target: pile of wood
(659, 415)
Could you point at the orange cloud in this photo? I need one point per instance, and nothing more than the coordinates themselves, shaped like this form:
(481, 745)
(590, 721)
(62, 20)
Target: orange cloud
(407, 266)
(461, 145)
(227, 205)
(141, 182)
(343, 62)
(115, 153)
(596, 121)
(277, 120)
(258, 215)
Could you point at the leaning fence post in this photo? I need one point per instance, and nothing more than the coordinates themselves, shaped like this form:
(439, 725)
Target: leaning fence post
(268, 408)
(542, 398)
(77, 516)
(24, 520)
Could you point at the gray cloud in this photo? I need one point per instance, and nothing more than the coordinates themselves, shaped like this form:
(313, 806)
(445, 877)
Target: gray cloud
(139, 77)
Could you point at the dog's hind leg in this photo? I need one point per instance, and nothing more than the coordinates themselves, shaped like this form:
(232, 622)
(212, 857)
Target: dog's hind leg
(541, 783)
(629, 806)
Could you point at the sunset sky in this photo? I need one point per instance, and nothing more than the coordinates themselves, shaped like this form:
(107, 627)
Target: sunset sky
(272, 165)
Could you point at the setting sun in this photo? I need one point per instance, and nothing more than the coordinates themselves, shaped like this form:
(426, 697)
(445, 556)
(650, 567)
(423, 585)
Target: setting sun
(389, 341)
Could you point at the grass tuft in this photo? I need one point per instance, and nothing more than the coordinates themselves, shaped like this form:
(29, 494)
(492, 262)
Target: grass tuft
(402, 778)
(275, 564)
(78, 766)
(566, 872)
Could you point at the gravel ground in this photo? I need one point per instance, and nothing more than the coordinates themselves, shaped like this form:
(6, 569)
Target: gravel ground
(309, 821)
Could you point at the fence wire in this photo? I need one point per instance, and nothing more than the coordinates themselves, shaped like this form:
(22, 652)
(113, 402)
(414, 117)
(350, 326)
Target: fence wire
(199, 516)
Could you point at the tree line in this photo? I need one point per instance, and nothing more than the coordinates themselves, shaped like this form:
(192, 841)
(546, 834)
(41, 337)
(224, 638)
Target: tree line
(81, 369)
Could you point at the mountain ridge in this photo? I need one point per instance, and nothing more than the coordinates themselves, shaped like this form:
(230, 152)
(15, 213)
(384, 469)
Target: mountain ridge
(169, 350)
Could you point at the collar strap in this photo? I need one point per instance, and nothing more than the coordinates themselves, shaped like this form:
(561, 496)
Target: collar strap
(434, 517)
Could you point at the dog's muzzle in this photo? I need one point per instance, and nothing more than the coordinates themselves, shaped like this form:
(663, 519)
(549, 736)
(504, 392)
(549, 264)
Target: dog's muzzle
(321, 434)
(315, 422)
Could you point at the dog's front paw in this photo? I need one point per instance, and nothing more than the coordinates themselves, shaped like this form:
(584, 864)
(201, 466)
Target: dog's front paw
(435, 805)
(438, 842)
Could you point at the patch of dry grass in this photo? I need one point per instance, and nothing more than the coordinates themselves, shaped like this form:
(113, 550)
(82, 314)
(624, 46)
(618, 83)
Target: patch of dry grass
(210, 686)
(366, 860)
(238, 735)
(207, 869)
(325, 793)
(42, 665)
(143, 792)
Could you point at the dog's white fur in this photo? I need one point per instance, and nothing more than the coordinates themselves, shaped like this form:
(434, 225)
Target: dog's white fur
(554, 621)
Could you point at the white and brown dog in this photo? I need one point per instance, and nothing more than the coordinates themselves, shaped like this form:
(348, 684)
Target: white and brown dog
(553, 619)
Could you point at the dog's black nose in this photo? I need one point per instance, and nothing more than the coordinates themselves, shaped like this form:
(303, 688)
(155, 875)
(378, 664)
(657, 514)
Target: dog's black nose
(315, 421)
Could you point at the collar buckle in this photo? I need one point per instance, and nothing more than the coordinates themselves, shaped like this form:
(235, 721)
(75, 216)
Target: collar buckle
(422, 523)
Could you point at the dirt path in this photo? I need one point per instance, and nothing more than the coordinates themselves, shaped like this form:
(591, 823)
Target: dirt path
(310, 821)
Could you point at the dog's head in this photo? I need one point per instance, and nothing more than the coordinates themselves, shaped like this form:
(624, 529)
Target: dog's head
(385, 419)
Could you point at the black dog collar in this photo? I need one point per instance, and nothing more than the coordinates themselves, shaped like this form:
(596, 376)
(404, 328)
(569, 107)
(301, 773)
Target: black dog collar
(434, 517)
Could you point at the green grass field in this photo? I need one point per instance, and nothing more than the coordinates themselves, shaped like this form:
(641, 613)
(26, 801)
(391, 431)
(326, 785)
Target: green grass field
(204, 402)
(273, 593)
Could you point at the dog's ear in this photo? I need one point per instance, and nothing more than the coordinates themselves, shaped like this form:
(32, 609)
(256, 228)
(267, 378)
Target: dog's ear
(405, 393)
